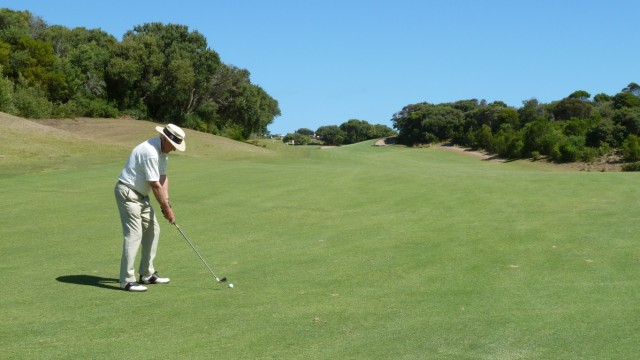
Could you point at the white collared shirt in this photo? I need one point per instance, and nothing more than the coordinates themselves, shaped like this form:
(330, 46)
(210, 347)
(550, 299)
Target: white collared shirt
(146, 163)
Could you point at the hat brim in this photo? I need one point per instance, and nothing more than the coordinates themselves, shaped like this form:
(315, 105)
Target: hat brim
(180, 147)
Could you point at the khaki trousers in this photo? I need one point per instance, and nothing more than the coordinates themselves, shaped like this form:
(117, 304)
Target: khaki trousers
(139, 227)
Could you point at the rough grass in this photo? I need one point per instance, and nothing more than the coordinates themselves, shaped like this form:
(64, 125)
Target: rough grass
(357, 252)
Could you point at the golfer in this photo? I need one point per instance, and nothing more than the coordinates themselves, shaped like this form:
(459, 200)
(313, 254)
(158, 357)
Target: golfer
(145, 172)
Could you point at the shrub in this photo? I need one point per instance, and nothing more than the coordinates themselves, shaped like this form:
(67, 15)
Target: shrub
(631, 167)
(569, 149)
(589, 154)
(194, 122)
(139, 113)
(631, 148)
(233, 132)
(298, 138)
(535, 155)
(31, 103)
(6, 94)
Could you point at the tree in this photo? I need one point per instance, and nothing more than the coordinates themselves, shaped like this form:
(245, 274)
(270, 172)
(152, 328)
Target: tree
(251, 108)
(483, 137)
(538, 136)
(305, 131)
(531, 110)
(6, 94)
(602, 98)
(568, 149)
(629, 119)
(604, 133)
(425, 123)
(14, 25)
(580, 95)
(331, 135)
(382, 131)
(493, 115)
(297, 138)
(631, 148)
(572, 107)
(357, 130)
(633, 89)
(625, 100)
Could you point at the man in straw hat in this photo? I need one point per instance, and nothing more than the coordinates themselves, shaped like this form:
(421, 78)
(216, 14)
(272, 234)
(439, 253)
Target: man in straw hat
(145, 172)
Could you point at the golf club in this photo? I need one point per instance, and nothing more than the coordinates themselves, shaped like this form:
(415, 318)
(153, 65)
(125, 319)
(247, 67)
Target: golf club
(219, 280)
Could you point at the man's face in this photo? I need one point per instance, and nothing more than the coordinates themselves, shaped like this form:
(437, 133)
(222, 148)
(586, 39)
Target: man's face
(167, 146)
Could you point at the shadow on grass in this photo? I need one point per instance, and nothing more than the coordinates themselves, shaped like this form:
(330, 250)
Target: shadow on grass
(90, 280)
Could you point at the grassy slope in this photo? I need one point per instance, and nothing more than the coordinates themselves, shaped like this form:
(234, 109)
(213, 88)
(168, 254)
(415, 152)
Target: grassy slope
(356, 252)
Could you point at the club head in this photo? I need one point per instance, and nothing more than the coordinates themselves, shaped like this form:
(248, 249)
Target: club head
(223, 279)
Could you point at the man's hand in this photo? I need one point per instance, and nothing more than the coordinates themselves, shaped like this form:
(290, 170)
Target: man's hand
(168, 214)
(163, 199)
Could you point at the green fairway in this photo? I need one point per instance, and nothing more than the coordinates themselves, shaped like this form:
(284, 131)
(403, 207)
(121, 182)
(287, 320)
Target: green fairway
(357, 252)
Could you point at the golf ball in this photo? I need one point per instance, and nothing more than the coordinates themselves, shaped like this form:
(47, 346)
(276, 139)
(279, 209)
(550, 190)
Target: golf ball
(230, 286)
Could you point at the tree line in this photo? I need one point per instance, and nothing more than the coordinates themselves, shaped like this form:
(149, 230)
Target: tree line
(349, 132)
(159, 72)
(575, 128)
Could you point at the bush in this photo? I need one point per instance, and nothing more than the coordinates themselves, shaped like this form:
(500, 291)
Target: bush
(67, 110)
(569, 149)
(298, 139)
(631, 167)
(6, 95)
(31, 103)
(194, 122)
(233, 132)
(535, 155)
(138, 113)
(589, 154)
(631, 148)
(97, 108)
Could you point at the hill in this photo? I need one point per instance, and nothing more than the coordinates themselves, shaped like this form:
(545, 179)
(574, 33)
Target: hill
(42, 145)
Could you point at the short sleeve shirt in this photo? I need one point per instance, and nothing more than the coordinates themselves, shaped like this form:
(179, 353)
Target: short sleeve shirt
(146, 163)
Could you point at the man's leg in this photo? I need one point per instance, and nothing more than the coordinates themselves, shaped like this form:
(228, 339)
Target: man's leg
(150, 237)
(130, 208)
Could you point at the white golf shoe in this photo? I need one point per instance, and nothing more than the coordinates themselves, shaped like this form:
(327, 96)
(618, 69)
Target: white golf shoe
(135, 287)
(153, 279)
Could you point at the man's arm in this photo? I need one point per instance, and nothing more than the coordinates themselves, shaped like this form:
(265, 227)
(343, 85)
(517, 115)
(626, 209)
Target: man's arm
(161, 192)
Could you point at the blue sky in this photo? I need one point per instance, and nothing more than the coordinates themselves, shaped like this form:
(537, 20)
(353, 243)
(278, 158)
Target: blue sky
(330, 61)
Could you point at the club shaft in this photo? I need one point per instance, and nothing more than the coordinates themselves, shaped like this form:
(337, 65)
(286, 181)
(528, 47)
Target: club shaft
(197, 252)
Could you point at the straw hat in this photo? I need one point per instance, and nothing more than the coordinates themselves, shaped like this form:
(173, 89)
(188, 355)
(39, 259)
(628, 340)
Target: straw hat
(174, 134)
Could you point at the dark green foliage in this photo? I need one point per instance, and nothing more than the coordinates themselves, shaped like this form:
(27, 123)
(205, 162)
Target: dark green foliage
(580, 95)
(425, 123)
(508, 144)
(633, 89)
(30, 102)
(483, 138)
(6, 94)
(351, 132)
(96, 108)
(631, 167)
(629, 119)
(625, 100)
(305, 131)
(161, 72)
(194, 121)
(297, 139)
(569, 130)
(604, 132)
(631, 148)
(531, 110)
(357, 130)
(331, 135)
(568, 149)
(572, 108)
